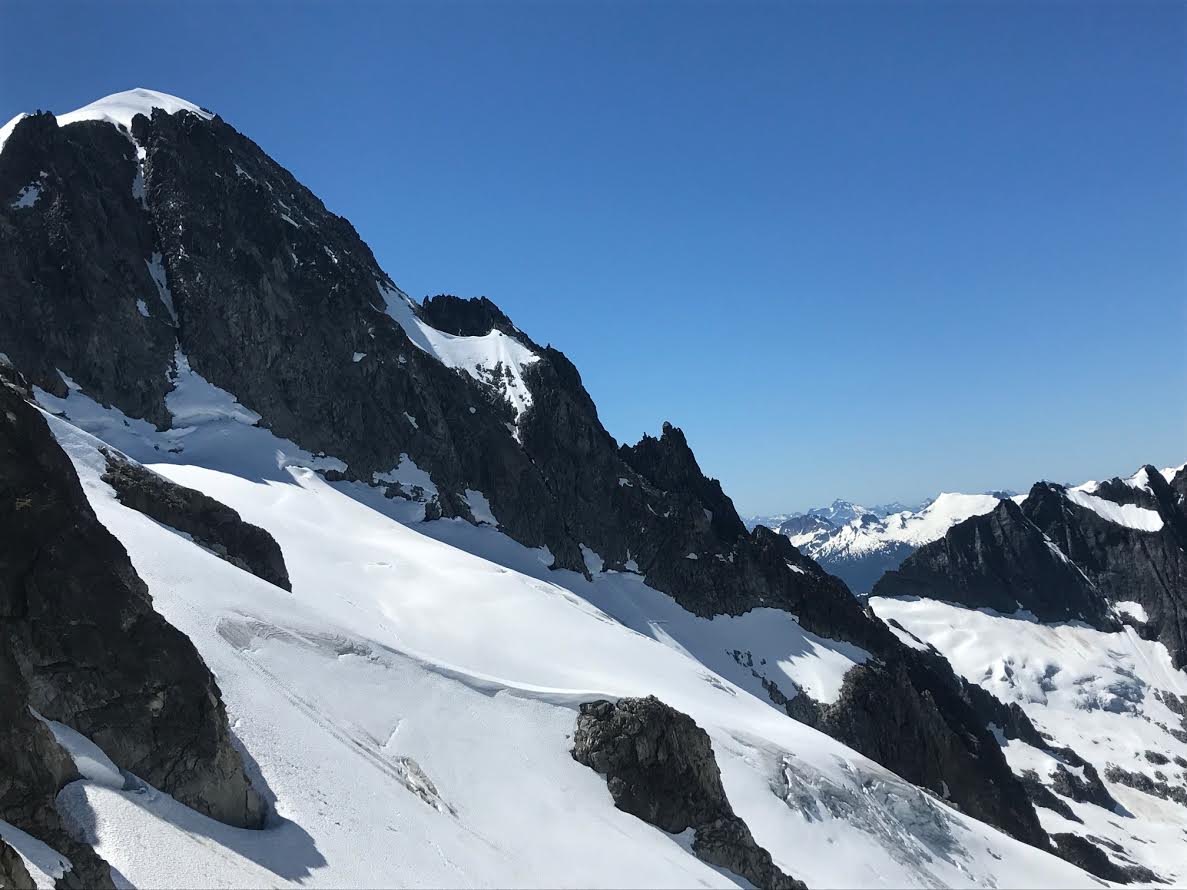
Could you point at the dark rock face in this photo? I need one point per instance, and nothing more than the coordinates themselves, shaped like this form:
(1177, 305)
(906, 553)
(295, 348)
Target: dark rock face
(1010, 719)
(467, 318)
(659, 766)
(1083, 785)
(74, 263)
(32, 770)
(272, 296)
(213, 525)
(1002, 561)
(1086, 789)
(1082, 852)
(13, 874)
(1042, 796)
(1157, 787)
(1127, 564)
(899, 714)
(80, 635)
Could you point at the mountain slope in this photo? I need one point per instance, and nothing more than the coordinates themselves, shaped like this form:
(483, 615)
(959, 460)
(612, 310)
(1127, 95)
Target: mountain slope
(406, 689)
(172, 290)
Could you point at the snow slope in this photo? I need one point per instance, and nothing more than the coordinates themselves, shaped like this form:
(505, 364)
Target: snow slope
(1103, 694)
(409, 707)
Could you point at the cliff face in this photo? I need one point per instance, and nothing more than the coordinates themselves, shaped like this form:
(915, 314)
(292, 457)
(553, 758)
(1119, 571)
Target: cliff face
(1001, 561)
(1145, 565)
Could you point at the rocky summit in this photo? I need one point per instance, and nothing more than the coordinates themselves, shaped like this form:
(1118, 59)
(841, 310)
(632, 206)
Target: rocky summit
(357, 589)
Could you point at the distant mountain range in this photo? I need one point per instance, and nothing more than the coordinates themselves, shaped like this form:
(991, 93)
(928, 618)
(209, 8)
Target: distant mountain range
(858, 544)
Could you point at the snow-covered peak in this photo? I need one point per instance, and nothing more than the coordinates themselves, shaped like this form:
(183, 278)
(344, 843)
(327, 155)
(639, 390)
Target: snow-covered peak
(1141, 481)
(120, 108)
(934, 520)
(1168, 473)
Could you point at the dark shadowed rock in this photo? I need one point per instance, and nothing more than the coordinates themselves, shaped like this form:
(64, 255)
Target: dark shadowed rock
(13, 874)
(659, 766)
(1152, 786)
(80, 634)
(925, 731)
(1042, 796)
(1084, 786)
(214, 525)
(33, 767)
(1082, 852)
(467, 318)
(1127, 564)
(1002, 561)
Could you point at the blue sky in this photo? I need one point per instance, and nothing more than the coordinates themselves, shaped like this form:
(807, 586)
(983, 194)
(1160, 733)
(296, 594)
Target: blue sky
(867, 250)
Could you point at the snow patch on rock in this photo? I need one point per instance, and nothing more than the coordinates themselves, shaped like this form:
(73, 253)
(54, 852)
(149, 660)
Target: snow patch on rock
(495, 359)
(480, 508)
(156, 269)
(1129, 515)
(45, 864)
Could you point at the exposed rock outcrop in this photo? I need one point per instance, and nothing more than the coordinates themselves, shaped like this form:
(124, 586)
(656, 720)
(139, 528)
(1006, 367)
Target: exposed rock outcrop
(1082, 852)
(1127, 564)
(899, 714)
(215, 526)
(659, 766)
(81, 644)
(1042, 796)
(1157, 787)
(13, 874)
(33, 767)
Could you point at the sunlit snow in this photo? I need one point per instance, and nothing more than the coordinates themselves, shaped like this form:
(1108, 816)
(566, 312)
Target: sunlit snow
(1103, 693)
(1129, 515)
(410, 698)
(120, 108)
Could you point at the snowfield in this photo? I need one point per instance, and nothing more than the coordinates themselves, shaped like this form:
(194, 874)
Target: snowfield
(408, 708)
(1103, 694)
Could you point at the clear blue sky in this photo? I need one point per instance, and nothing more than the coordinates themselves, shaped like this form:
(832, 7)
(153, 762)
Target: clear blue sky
(870, 250)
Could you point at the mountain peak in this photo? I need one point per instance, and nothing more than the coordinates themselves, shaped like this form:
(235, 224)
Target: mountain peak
(120, 108)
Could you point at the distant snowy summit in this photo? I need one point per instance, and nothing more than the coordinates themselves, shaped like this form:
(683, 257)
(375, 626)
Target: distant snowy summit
(858, 544)
(836, 514)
